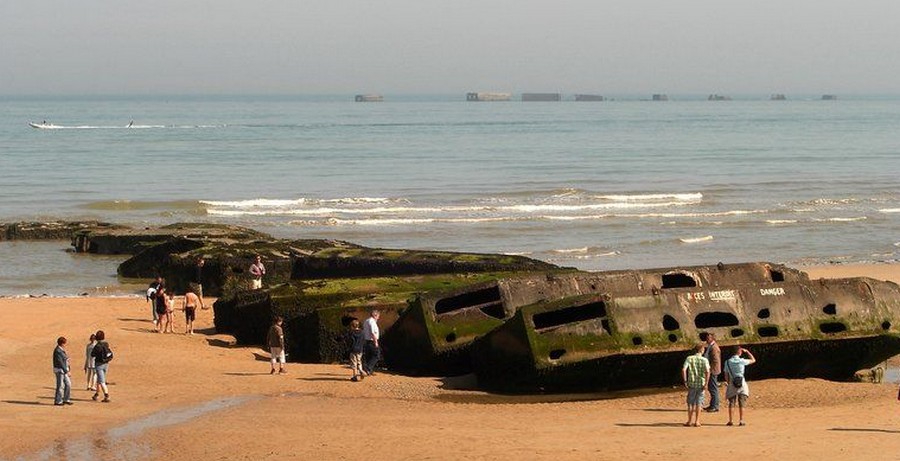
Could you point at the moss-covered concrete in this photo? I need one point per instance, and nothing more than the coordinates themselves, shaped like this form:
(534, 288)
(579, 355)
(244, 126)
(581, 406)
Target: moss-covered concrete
(820, 328)
(317, 312)
(51, 230)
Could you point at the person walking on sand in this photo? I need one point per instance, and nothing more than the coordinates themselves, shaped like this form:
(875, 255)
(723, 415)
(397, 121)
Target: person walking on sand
(372, 350)
(695, 374)
(191, 301)
(102, 356)
(61, 370)
(737, 391)
(257, 271)
(714, 354)
(90, 364)
(275, 340)
(357, 344)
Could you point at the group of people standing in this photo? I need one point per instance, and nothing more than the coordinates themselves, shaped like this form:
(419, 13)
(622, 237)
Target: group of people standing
(700, 372)
(365, 351)
(162, 304)
(96, 364)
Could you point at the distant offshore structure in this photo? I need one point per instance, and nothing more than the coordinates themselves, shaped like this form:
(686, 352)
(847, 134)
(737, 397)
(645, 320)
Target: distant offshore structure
(829, 97)
(368, 98)
(777, 97)
(718, 97)
(589, 97)
(660, 97)
(541, 97)
(488, 96)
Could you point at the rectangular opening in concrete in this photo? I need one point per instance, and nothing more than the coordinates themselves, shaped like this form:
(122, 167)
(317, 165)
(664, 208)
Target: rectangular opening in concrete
(487, 299)
(569, 315)
(678, 280)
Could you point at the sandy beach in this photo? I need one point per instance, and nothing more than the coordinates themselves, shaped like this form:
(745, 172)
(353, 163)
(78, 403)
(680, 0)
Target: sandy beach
(191, 397)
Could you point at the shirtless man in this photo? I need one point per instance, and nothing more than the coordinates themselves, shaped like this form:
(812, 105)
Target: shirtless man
(191, 301)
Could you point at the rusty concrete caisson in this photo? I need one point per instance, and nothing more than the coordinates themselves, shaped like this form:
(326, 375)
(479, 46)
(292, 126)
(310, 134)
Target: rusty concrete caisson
(629, 338)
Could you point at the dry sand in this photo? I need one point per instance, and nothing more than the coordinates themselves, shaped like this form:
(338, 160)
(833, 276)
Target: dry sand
(199, 397)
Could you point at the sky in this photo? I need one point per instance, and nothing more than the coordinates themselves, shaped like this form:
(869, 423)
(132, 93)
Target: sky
(429, 46)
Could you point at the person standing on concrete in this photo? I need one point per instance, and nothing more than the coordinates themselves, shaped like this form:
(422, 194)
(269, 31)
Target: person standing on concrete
(257, 271)
(695, 374)
(737, 391)
(372, 350)
(196, 284)
(714, 354)
(61, 370)
(275, 341)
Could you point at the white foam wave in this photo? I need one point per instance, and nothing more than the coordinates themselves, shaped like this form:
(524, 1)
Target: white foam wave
(517, 253)
(706, 238)
(854, 219)
(889, 210)
(689, 197)
(255, 203)
(781, 221)
(571, 250)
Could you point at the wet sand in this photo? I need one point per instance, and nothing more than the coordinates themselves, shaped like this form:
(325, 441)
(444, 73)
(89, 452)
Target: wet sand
(199, 397)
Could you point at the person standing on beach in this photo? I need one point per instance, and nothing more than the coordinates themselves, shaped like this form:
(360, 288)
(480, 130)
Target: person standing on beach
(357, 344)
(90, 364)
(275, 340)
(61, 370)
(714, 354)
(695, 374)
(161, 303)
(257, 270)
(371, 334)
(737, 391)
(151, 296)
(196, 284)
(191, 301)
(102, 355)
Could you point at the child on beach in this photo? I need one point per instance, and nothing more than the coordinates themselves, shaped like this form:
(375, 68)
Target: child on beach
(357, 343)
(170, 312)
(90, 363)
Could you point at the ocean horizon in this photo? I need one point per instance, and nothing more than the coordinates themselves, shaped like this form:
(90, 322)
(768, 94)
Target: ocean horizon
(617, 184)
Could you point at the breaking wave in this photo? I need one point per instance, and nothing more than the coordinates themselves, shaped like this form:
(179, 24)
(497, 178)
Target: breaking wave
(706, 238)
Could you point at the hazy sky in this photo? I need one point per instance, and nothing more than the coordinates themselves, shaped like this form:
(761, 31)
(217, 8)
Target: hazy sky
(426, 46)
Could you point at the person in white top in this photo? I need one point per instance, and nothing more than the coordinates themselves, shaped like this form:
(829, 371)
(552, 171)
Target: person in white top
(257, 270)
(371, 351)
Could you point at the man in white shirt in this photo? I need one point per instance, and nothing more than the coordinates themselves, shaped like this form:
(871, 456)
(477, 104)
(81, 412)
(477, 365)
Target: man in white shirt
(257, 270)
(371, 333)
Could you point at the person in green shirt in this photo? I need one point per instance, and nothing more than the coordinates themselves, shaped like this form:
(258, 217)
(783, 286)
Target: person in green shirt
(695, 374)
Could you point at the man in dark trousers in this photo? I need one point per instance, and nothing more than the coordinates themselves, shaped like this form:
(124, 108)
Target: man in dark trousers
(371, 334)
(196, 284)
(61, 370)
(714, 354)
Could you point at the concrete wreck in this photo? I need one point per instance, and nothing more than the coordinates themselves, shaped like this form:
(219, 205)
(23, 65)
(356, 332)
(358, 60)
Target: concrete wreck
(628, 338)
(434, 335)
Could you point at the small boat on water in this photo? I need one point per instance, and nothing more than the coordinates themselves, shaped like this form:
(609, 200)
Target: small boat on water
(43, 125)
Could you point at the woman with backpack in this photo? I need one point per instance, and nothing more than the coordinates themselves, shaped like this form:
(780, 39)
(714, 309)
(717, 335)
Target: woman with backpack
(102, 355)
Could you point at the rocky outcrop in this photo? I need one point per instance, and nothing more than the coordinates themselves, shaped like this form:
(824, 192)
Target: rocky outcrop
(51, 230)
(124, 240)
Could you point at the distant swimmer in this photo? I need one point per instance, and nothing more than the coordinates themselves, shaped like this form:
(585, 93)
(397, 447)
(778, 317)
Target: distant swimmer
(131, 124)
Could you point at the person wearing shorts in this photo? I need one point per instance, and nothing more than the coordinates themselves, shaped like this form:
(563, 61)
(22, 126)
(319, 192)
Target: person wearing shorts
(102, 355)
(191, 301)
(695, 373)
(275, 341)
(162, 307)
(737, 395)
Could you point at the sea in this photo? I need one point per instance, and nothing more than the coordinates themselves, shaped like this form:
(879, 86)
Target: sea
(623, 183)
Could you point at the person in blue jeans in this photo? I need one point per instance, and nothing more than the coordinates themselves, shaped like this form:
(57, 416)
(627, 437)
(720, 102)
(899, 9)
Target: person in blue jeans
(372, 350)
(714, 354)
(61, 370)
